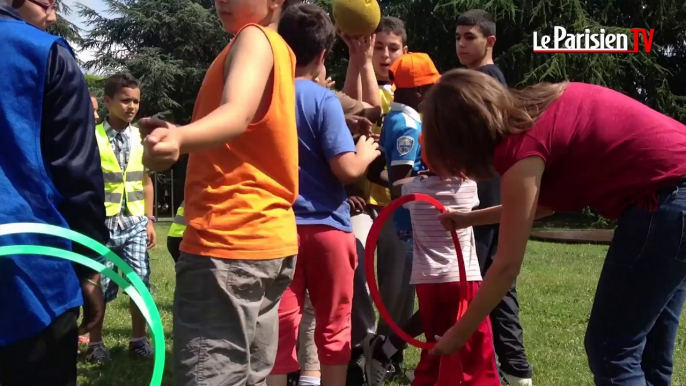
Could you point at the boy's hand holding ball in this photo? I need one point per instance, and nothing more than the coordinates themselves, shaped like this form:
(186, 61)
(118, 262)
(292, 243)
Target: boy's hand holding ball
(356, 17)
(356, 21)
(360, 49)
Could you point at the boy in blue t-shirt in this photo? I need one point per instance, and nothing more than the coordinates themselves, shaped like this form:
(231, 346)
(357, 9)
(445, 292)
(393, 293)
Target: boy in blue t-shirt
(413, 75)
(400, 144)
(328, 159)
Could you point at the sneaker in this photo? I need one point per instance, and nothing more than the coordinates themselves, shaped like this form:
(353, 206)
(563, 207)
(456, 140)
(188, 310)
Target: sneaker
(516, 381)
(378, 366)
(141, 349)
(398, 370)
(355, 376)
(97, 353)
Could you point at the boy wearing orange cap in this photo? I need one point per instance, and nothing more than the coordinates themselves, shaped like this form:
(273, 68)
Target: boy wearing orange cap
(412, 74)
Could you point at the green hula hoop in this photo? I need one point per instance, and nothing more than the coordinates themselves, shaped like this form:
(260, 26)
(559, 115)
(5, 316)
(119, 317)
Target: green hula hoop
(134, 287)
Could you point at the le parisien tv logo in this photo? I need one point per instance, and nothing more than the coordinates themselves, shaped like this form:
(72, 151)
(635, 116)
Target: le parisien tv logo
(590, 42)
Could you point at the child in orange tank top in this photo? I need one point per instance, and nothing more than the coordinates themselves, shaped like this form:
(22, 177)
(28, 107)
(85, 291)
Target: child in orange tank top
(238, 251)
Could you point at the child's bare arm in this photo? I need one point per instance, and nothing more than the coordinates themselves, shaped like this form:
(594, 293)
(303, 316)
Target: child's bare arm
(353, 85)
(373, 113)
(149, 200)
(374, 174)
(250, 64)
(396, 175)
(370, 87)
(460, 219)
(397, 188)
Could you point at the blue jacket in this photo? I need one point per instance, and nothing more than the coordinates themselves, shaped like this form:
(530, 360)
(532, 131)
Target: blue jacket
(49, 173)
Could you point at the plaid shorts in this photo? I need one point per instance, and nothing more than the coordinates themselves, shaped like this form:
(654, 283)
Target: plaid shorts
(132, 246)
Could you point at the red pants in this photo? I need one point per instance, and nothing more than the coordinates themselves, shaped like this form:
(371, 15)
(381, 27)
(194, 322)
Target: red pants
(326, 264)
(475, 362)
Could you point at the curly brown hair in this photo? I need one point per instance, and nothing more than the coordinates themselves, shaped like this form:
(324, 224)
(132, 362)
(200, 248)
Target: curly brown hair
(467, 113)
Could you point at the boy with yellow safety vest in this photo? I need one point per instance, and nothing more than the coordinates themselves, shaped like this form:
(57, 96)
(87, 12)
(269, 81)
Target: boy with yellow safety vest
(128, 204)
(175, 235)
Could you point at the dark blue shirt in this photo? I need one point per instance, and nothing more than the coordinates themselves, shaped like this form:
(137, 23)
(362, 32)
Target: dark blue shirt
(70, 151)
(322, 135)
(489, 190)
(36, 290)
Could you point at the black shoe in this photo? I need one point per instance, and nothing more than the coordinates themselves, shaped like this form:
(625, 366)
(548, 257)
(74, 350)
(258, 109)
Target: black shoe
(355, 376)
(398, 361)
(378, 366)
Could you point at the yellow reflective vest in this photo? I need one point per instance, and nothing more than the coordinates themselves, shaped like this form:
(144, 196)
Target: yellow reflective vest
(118, 183)
(179, 225)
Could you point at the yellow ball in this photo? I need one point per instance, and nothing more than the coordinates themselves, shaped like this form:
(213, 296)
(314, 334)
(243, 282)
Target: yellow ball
(356, 17)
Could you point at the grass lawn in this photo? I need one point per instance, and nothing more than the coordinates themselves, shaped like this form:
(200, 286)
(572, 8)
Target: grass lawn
(555, 292)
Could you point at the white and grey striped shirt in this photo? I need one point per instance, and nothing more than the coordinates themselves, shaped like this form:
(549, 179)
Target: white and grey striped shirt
(435, 258)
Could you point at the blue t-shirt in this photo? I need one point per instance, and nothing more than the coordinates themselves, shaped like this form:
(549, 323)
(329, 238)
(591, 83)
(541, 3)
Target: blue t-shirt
(400, 144)
(322, 135)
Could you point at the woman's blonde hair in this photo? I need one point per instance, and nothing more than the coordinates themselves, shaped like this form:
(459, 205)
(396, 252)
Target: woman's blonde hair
(467, 113)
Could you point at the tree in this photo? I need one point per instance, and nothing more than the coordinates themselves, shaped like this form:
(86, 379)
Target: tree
(167, 44)
(95, 86)
(63, 27)
(657, 79)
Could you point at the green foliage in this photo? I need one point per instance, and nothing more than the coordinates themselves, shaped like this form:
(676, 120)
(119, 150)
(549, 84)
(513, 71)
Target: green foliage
(596, 220)
(657, 78)
(63, 27)
(95, 86)
(95, 83)
(167, 44)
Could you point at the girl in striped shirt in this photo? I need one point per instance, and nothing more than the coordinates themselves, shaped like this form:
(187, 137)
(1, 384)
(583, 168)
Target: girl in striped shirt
(435, 272)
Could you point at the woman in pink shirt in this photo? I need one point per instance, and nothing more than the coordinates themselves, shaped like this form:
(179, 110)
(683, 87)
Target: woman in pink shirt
(562, 147)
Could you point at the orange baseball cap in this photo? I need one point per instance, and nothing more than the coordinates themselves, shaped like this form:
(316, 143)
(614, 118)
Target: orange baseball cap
(414, 69)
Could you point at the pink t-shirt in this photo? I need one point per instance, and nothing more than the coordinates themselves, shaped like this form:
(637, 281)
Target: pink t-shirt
(602, 149)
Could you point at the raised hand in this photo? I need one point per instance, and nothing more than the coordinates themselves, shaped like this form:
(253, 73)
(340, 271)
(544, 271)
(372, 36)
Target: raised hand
(360, 48)
(328, 82)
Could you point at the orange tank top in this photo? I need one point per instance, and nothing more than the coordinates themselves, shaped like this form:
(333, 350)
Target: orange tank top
(239, 196)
